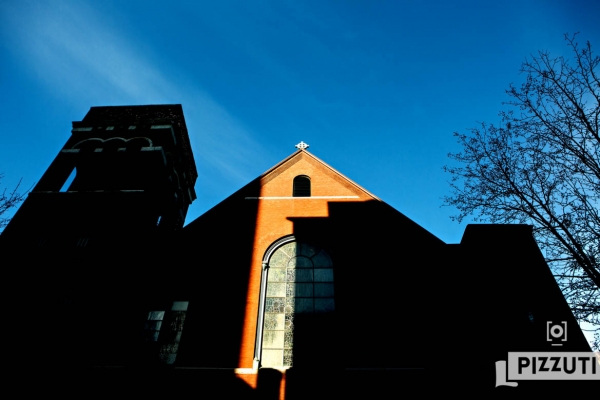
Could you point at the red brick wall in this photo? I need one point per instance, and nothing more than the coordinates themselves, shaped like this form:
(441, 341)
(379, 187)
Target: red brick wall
(274, 221)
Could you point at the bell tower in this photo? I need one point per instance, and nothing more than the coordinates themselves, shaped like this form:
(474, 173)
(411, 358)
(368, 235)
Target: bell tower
(125, 171)
(97, 237)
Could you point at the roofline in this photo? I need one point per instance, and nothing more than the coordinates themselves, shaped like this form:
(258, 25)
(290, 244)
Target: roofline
(323, 163)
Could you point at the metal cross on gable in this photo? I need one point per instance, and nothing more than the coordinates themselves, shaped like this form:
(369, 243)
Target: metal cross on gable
(302, 146)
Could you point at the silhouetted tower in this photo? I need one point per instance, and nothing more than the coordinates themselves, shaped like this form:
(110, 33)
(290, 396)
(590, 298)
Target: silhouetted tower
(93, 239)
(125, 172)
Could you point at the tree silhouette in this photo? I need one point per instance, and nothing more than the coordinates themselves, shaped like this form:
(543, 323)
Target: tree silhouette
(542, 167)
(8, 201)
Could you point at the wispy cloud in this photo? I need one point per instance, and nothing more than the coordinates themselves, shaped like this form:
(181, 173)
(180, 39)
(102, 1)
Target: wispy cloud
(83, 59)
(69, 49)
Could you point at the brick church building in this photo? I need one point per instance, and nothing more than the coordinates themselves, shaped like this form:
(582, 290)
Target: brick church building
(301, 283)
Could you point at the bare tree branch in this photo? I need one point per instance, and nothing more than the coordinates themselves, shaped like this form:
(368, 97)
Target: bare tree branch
(542, 167)
(8, 201)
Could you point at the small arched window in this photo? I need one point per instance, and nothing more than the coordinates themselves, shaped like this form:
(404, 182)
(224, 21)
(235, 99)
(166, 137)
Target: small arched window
(301, 186)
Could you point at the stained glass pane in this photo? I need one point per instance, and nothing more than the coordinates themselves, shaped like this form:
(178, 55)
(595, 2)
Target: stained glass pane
(153, 325)
(156, 315)
(275, 321)
(278, 260)
(288, 358)
(289, 304)
(276, 289)
(306, 249)
(290, 290)
(321, 260)
(304, 275)
(323, 289)
(288, 340)
(273, 339)
(276, 275)
(324, 305)
(272, 358)
(274, 304)
(304, 305)
(289, 322)
(291, 275)
(323, 275)
(180, 305)
(288, 249)
(300, 262)
(304, 289)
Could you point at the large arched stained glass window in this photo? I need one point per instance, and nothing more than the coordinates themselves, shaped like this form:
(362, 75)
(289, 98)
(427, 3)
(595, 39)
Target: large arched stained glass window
(299, 282)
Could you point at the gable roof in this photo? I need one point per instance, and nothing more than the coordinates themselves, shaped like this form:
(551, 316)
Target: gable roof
(302, 154)
(239, 212)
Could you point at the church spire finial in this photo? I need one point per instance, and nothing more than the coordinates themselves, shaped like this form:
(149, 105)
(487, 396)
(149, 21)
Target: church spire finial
(302, 145)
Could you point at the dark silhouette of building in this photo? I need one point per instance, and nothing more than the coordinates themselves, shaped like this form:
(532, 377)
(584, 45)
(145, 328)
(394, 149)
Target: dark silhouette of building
(301, 283)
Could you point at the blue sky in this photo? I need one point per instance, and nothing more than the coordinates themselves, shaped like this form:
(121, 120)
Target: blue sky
(376, 88)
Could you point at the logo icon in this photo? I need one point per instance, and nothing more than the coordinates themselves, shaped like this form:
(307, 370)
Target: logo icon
(547, 366)
(556, 332)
